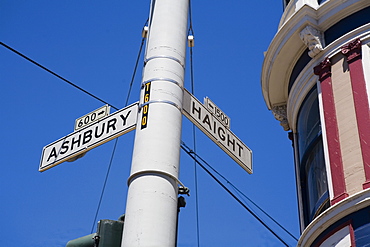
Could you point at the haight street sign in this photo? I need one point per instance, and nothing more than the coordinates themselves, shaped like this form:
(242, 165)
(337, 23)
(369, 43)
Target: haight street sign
(89, 137)
(197, 113)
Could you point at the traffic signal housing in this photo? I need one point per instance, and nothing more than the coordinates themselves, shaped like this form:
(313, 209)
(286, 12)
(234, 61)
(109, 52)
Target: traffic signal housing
(109, 234)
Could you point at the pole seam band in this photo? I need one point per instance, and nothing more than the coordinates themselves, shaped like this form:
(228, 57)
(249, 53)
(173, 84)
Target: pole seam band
(131, 178)
(164, 56)
(162, 79)
(161, 101)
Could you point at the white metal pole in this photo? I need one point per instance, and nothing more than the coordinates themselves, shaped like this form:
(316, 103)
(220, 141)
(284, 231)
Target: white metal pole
(151, 209)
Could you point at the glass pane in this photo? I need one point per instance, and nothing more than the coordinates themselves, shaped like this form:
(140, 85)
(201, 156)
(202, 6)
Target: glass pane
(362, 235)
(311, 156)
(316, 178)
(308, 122)
(321, 1)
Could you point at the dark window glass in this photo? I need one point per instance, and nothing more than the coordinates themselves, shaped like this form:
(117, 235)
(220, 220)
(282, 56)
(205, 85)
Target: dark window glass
(308, 122)
(303, 60)
(347, 24)
(317, 187)
(360, 223)
(285, 3)
(311, 156)
(362, 235)
(321, 1)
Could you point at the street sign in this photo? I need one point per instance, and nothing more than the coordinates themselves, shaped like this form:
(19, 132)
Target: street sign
(220, 115)
(79, 142)
(92, 117)
(197, 113)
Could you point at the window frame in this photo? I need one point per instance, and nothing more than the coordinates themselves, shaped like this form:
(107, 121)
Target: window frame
(304, 153)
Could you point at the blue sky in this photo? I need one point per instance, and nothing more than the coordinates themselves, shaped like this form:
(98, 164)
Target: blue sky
(94, 44)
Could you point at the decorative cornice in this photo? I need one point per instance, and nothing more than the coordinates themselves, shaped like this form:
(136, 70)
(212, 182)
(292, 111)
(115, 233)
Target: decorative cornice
(280, 114)
(312, 39)
(352, 50)
(323, 69)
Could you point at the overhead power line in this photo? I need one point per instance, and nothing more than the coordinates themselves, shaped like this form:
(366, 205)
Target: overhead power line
(190, 152)
(259, 208)
(136, 65)
(55, 74)
(191, 35)
(116, 141)
(104, 185)
(194, 156)
(92, 95)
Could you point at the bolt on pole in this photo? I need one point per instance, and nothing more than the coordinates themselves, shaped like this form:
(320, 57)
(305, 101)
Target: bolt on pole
(151, 210)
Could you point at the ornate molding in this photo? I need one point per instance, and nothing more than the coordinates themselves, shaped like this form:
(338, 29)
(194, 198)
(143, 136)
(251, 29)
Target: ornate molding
(312, 39)
(323, 69)
(280, 114)
(352, 50)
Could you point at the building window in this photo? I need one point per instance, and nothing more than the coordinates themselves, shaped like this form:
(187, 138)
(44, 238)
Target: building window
(301, 63)
(321, 1)
(311, 157)
(362, 235)
(357, 225)
(347, 24)
(342, 237)
(285, 3)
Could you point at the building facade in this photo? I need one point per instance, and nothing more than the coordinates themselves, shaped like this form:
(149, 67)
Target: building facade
(316, 81)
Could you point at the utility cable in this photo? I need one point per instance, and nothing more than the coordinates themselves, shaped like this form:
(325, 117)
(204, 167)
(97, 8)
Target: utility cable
(136, 64)
(133, 74)
(55, 74)
(250, 200)
(92, 95)
(104, 185)
(259, 208)
(191, 32)
(116, 141)
(196, 188)
(183, 146)
(193, 155)
(240, 192)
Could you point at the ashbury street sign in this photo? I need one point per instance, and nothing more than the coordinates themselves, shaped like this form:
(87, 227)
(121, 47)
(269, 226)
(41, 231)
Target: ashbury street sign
(218, 132)
(77, 143)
